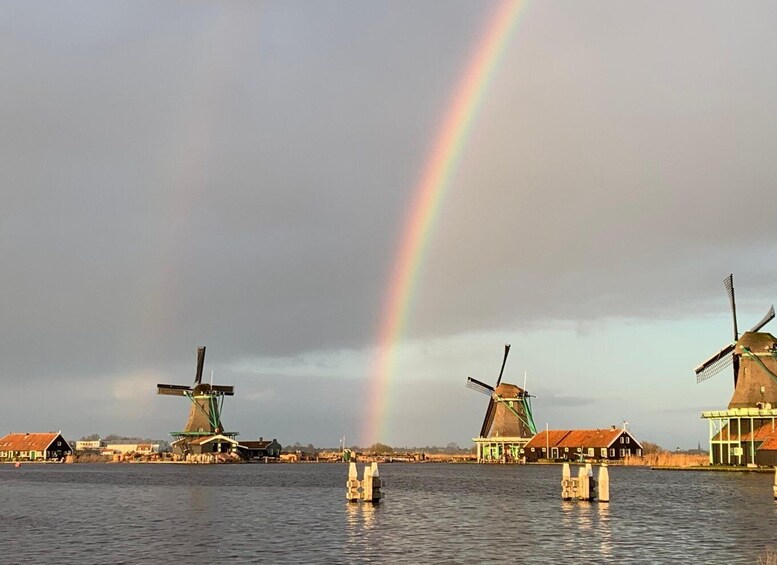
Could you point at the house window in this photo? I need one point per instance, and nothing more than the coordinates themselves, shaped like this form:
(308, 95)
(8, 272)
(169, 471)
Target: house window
(532, 450)
(603, 451)
(591, 451)
(543, 450)
(639, 453)
(621, 439)
(612, 452)
(59, 443)
(579, 449)
(627, 439)
(566, 450)
(623, 452)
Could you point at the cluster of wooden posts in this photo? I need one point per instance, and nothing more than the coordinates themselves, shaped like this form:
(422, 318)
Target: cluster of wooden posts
(585, 487)
(368, 489)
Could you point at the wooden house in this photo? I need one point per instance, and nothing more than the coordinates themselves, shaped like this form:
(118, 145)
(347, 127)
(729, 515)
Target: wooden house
(48, 446)
(260, 449)
(216, 443)
(575, 445)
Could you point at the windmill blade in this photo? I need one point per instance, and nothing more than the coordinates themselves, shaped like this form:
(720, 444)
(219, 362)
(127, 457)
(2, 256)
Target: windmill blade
(502, 370)
(489, 419)
(765, 320)
(173, 390)
(227, 390)
(200, 363)
(479, 386)
(715, 364)
(728, 282)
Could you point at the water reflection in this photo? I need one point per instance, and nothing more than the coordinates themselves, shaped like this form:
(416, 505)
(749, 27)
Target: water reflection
(605, 529)
(361, 516)
(590, 524)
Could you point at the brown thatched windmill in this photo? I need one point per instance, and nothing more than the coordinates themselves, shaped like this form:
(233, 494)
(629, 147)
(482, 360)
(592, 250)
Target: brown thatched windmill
(205, 412)
(509, 423)
(736, 433)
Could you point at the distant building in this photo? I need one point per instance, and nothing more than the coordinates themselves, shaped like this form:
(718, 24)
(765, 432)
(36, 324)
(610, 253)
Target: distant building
(260, 449)
(216, 443)
(89, 445)
(124, 448)
(574, 445)
(48, 446)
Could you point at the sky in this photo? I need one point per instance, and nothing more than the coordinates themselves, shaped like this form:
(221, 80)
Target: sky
(240, 174)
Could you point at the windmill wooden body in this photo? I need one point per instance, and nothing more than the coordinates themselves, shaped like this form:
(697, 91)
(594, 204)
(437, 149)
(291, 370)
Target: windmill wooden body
(508, 424)
(751, 416)
(203, 432)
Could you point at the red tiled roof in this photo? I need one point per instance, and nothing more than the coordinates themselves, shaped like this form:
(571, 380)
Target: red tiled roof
(577, 438)
(553, 437)
(590, 438)
(761, 433)
(27, 442)
(769, 443)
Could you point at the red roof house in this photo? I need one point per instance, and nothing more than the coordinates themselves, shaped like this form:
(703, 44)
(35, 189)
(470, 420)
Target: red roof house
(47, 446)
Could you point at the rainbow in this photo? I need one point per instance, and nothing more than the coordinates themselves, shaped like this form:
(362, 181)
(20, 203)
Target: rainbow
(439, 167)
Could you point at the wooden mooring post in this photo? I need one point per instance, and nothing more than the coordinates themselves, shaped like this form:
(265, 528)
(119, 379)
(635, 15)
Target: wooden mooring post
(584, 486)
(368, 489)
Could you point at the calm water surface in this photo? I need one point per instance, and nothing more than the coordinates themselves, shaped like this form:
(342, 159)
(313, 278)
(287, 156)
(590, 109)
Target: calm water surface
(432, 513)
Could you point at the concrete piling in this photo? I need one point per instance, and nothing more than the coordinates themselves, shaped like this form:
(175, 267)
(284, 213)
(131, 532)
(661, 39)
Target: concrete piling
(603, 486)
(353, 484)
(368, 489)
(584, 486)
(376, 484)
(367, 484)
(567, 492)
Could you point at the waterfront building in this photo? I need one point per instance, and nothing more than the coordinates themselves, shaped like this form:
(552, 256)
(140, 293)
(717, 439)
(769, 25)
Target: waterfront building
(45, 446)
(260, 449)
(575, 445)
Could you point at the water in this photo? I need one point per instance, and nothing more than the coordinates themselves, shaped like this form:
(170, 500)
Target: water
(432, 513)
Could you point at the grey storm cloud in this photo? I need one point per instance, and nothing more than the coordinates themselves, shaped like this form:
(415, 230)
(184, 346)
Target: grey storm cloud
(239, 174)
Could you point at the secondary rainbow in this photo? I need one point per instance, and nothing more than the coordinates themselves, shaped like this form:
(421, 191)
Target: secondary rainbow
(427, 195)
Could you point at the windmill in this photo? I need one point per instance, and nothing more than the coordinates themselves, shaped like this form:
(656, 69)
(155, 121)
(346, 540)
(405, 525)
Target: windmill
(737, 433)
(508, 413)
(729, 355)
(748, 385)
(207, 401)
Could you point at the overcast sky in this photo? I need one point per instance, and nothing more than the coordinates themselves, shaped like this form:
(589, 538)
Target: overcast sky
(237, 175)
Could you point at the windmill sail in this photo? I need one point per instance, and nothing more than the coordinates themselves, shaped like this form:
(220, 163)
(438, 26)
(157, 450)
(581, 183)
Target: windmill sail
(480, 386)
(765, 320)
(489, 419)
(502, 370)
(715, 364)
(200, 363)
